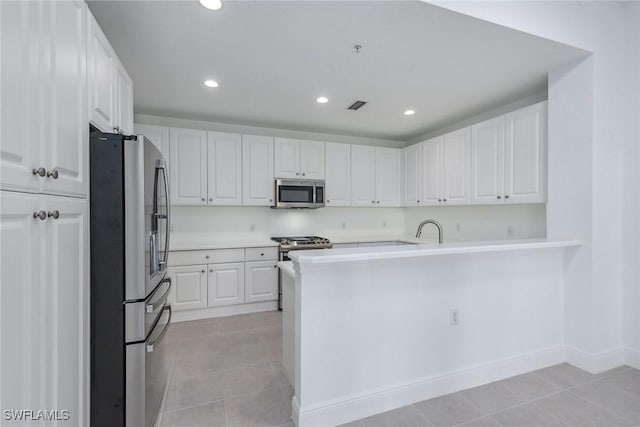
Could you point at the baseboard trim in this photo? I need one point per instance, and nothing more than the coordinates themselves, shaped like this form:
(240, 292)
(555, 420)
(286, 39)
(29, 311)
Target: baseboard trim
(598, 362)
(229, 310)
(632, 357)
(360, 405)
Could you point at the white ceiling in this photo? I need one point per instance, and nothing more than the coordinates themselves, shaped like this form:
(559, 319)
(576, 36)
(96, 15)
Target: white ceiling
(272, 59)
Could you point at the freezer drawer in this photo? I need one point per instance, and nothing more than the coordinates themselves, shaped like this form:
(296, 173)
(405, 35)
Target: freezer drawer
(147, 374)
(141, 316)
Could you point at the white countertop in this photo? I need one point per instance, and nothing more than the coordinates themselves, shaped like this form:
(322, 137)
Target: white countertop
(419, 250)
(194, 242)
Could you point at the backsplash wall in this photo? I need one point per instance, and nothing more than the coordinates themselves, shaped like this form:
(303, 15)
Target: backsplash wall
(460, 222)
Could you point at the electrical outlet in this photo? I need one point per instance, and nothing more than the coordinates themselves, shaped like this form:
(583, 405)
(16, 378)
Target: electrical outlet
(453, 317)
(457, 226)
(344, 224)
(252, 227)
(384, 224)
(510, 230)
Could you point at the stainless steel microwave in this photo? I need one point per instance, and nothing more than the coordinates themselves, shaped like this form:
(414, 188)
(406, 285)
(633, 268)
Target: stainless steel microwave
(299, 194)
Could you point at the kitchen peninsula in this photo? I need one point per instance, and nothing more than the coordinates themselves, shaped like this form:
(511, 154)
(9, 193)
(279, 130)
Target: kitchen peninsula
(367, 330)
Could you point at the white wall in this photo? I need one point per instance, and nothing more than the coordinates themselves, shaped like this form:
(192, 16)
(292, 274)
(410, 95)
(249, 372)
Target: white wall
(467, 223)
(631, 207)
(587, 106)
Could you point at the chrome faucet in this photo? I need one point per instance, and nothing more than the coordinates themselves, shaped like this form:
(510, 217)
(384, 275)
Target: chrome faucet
(430, 221)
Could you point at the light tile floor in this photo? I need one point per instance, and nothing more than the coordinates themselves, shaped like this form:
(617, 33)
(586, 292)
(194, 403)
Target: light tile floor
(227, 372)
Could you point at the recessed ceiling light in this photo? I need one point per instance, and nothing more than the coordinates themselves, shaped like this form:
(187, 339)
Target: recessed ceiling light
(211, 83)
(409, 113)
(211, 4)
(322, 99)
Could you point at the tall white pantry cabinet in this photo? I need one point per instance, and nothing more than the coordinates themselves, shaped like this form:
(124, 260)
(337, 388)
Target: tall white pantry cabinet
(44, 147)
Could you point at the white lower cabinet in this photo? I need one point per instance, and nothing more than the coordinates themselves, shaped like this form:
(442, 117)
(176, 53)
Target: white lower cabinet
(44, 275)
(225, 284)
(261, 281)
(189, 287)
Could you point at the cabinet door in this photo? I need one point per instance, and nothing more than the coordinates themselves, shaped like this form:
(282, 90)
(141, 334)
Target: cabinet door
(363, 175)
(261, 281)
(456, 164)
(188, 166)
(189, 289)
(287, 158)
(22, 301)
(158, 135)
(101, 78)
(487, 172)
(312, 159)
(66, 276)
(412, 181)
(20, 84)
(124, 100)
(432, 172)
(66, 153)
(258, 185)
(225, 169)
(388, 177)
(337, 174)
(225, 284)
(526, 155)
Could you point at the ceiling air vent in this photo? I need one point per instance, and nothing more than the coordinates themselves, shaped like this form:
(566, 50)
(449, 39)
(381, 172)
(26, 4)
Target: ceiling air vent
(356, 105)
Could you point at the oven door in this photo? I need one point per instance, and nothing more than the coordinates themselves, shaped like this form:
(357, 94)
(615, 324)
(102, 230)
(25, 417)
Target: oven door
(292, 194)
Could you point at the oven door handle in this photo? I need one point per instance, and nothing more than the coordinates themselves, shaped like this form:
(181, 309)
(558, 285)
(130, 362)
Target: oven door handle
(151, 345)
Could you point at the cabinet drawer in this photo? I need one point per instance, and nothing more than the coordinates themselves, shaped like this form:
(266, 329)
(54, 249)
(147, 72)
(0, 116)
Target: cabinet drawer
(261, 254)
(216, 256)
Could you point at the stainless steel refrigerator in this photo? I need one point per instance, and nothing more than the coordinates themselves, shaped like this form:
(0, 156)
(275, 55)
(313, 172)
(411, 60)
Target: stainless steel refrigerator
(130, 313)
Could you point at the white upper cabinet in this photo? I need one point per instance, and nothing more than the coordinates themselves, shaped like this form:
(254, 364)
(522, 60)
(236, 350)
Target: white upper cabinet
(432, 172)
(456, 163)
(287, 158)
(487, 162)
(124, 100)
(363, 175)
(225, 169)
(44, 135)
(257, 170)
(509, 158)
(296, 159)
(388, 177)
(312, 159)
(110, 87)
(158, 135)
(412, 178)
(337, 174)
(525, 154)
(188, 166)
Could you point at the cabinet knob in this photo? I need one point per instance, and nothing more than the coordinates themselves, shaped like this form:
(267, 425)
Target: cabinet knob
(418, 201)
(54, 214)
(202, 199)
(439, 200)
(270, 200)
(444, 200)
(40, 172)
(378, 202)
(303, 174)
(53, 174)
(499, 197)
(211, 270)
(262, 254)
(206, 256)
(203, 271)
(328, 201)
(211, 199)
(297, 173)
(373, 201)
(506, 196)
(42, 215)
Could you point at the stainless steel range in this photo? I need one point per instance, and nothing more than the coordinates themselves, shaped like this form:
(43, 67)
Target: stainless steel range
(288, 244)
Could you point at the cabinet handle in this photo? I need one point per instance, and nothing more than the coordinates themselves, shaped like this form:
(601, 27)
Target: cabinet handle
(53, 174)
(54, 214)
(40, 171)
(211, 270)
(506, 196)
(42, 215)
(499, 197)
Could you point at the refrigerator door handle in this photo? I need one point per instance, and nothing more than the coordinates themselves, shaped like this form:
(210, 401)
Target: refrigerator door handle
(159, 302)
(162, 168)
(150, 345)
